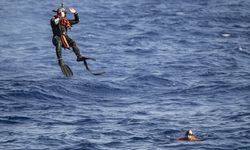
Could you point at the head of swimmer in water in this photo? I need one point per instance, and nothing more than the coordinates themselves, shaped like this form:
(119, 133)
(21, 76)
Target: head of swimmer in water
(189, 134)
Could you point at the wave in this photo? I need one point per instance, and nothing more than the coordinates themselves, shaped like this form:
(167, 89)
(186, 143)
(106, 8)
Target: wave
(152, 80)
(14, 119)
(55, 89)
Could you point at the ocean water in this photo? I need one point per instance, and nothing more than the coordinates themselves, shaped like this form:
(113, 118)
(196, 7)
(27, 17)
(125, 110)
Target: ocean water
(170, 66)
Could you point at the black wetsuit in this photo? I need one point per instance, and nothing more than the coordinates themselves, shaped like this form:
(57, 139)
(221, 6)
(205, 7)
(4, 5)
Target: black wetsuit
(58, 29)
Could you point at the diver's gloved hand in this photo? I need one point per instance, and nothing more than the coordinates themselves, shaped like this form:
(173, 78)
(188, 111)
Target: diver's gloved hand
(72, 10)
(60, 62)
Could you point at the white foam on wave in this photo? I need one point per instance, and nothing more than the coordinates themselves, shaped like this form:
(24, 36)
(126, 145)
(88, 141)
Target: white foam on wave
(226, 35)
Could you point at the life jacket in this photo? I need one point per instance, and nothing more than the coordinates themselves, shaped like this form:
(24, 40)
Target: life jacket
(187, 139)
(65, 22)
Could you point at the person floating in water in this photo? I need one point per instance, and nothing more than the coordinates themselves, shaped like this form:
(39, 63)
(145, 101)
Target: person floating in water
(188, 137)
(60, 25)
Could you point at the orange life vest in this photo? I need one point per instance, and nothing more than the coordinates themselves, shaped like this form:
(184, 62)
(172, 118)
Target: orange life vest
(65, 22)
(187, 139)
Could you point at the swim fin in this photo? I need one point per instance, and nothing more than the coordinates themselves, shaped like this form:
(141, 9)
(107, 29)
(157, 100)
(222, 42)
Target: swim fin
(87, 68)
(66, 70)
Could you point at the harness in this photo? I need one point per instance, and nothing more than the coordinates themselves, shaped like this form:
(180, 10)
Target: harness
(64, 22)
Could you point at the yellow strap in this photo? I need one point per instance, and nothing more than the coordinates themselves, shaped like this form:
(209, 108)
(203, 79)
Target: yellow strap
(64, 41)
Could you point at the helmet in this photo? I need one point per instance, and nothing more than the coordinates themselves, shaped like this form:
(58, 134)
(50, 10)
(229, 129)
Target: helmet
(61, 9)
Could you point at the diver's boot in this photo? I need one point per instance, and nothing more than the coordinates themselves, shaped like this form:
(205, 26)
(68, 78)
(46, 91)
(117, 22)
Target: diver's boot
(78, 54)
(82, 58)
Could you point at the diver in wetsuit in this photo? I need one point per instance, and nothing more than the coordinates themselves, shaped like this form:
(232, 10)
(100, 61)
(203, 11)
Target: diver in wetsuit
(60, 24)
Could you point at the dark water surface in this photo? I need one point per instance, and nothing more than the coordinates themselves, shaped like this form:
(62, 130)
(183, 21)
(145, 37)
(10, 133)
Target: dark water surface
(170, 66)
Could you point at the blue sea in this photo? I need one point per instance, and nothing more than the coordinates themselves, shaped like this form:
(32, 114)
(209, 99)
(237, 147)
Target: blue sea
(170, 66)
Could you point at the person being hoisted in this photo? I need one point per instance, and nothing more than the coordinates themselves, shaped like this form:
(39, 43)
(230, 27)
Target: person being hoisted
(60, 24)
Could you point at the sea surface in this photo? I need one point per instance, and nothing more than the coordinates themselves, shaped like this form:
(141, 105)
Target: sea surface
(170, 66)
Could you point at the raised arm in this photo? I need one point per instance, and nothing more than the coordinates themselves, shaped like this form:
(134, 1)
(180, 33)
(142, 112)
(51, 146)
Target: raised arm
(76, 17)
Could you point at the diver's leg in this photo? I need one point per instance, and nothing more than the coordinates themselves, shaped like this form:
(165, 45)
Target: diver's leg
(58, 44)
(73, 44)
(65, 68)
(76, 50)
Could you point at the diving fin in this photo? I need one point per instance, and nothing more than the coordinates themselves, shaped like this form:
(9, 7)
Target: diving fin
(87, 68)
(66, 70)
